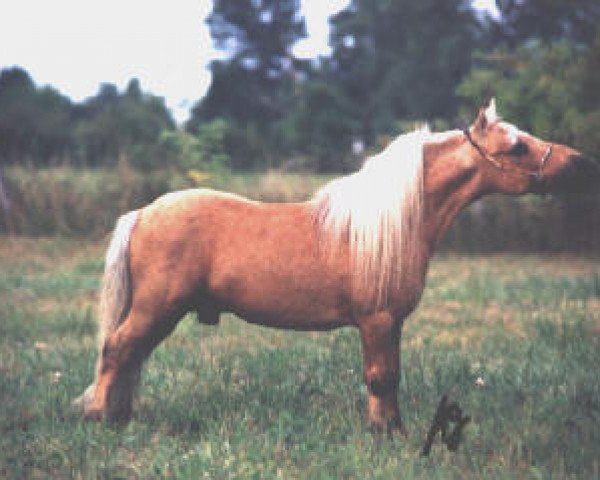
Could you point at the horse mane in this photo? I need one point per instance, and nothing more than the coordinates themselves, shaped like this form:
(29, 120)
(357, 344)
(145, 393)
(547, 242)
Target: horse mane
(377, 211)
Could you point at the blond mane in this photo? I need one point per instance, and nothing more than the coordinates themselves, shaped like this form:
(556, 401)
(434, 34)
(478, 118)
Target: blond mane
(377, 211)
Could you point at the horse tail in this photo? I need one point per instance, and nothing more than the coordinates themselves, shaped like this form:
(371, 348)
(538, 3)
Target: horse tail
(115, 294)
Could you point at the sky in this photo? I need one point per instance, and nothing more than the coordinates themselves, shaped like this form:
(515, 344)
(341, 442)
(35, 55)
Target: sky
(75, 45)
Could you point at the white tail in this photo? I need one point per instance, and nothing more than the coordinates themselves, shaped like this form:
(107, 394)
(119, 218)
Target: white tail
(115, 293)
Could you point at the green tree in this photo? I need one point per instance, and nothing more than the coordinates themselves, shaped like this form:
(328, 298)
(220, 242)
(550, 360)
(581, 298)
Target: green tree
(205, 151)
(549, 86)
(258, 35)
(547, 21)
(321, 126)
(35, 124)
(400, 59)
(114, 126)
(252, 87)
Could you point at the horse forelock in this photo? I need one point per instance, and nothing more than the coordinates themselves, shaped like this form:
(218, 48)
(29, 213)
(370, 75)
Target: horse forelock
(377, 212)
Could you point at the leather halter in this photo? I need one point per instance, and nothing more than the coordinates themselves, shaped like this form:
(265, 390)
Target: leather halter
(538, 175)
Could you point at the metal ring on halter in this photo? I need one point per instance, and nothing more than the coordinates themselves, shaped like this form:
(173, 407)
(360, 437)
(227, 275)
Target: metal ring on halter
(539, 175)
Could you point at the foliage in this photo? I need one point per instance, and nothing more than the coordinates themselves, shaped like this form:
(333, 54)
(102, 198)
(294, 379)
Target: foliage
(392, 63)
(34, 123)
(204, 151)
(551, 90)
(547, 20)
(41, 127)
(323, 114)
(257, 34)
(115, 126)
(252, 87)
(240, 401)
(316, 111)
(401, 59)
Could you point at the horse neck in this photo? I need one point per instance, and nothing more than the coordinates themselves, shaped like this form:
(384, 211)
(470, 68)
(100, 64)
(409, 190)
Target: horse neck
(451, 182)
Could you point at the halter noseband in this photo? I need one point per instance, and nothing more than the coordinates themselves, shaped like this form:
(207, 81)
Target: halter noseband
(538, 175)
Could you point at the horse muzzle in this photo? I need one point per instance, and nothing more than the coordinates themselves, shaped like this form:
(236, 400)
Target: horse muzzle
(579, 174)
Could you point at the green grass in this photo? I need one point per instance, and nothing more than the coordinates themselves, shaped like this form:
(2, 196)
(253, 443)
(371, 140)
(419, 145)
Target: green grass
(240, 401)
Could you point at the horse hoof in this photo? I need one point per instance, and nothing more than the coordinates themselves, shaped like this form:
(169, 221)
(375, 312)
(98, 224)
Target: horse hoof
(82, 401)
(110, 420)
(93, 415)
(78, 405)
(392, 428)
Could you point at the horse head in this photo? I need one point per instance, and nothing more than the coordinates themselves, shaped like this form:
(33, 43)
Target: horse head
(515, 162)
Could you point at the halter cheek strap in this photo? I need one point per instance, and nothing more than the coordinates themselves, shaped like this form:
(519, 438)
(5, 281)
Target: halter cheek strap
(477, 147)
(537, 175)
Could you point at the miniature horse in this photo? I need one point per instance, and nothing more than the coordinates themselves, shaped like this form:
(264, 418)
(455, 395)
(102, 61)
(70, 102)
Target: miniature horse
(355, 254)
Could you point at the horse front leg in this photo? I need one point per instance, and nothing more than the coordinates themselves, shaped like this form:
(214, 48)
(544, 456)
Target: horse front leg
(380, 335)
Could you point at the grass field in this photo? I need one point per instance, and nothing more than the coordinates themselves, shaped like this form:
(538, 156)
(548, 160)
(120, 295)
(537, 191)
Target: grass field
(239, 401)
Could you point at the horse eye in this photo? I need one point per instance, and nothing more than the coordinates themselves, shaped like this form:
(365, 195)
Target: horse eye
(519, 149)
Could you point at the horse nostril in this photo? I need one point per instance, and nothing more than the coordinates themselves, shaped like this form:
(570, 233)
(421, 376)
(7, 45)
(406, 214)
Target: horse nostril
(583, 174)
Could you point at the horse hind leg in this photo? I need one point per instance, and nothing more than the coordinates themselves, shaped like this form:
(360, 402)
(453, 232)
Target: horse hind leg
(115, 296)
(132, 322)
(120, 363)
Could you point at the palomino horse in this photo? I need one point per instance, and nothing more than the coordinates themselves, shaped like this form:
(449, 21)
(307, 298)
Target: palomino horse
(355, 254)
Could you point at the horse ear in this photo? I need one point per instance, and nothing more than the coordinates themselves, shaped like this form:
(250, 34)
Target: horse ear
(486, 116)
(490, 112)
(481, 121)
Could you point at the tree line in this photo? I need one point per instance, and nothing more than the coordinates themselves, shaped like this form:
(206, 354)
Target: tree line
(392, 63)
